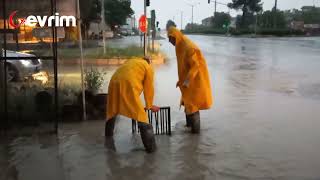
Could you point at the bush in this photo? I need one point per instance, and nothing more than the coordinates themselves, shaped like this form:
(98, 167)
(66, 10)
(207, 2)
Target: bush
(94, 79)
(280, 32)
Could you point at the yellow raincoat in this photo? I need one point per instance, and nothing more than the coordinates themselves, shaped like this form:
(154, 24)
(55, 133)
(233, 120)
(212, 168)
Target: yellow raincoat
(192, 66)
(125, 88)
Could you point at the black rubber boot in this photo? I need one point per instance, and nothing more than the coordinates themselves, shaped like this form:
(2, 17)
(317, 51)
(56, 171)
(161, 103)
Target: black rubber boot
(109, 127)
(147, 136)
(195, 122)
(109, 143)
(188, 121)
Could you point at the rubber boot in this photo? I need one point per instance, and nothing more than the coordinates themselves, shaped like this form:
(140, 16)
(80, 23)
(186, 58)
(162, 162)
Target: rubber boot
(109, 127)
(188, 121)
(147, 136)
(195, 122)
(109, 143)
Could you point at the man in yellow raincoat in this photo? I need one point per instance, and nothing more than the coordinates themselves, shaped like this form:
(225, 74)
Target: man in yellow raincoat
(125, 88)
(194, 81)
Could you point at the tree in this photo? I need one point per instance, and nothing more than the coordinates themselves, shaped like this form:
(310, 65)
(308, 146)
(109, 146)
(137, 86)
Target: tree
(220, 20)
(90, 11)
(266, 20)
(248, 7)
(116, 12)
(311, 15)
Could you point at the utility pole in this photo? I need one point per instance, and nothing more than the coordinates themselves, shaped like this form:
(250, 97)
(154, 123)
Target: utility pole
(145, 34)
(192, 16)
(275, 13)
(181, 20)
(215, 8)
(192, 6)
(81, 62)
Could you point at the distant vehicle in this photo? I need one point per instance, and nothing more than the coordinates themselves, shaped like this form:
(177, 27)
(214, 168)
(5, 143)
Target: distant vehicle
(109, 34)
(17, 69)
(124, 32)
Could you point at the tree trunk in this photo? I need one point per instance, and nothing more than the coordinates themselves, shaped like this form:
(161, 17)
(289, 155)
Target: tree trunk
(243, 19)
(244, 15)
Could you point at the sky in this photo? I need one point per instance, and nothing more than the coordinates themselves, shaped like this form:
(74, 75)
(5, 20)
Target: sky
(172, 9)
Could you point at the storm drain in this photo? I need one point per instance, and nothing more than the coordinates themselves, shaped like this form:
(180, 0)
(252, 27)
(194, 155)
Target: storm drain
(161, 121)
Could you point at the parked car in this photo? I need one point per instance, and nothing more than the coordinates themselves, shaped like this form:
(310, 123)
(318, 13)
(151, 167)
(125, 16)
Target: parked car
(17, 69)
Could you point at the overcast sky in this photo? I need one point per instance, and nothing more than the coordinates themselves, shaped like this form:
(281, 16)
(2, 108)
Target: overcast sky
(171, 9)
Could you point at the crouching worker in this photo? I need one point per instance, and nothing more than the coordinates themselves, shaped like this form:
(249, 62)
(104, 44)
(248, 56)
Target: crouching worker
(125, 88)
(194, 81)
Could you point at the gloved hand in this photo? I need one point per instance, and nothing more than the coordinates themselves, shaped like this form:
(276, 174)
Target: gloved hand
(186, 83)
(154, 108)
(148, 59)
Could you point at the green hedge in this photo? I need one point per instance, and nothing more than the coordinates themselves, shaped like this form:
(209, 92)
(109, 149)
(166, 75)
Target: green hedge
(238, 32)
(206, 31)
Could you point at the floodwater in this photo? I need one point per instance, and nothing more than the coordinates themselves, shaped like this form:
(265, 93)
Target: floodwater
(264, 124)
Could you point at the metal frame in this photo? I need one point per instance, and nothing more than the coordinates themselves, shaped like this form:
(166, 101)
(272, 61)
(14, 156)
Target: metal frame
(161, 121)
(5, 121)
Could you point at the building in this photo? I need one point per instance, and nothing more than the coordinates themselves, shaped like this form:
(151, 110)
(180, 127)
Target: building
(233, 23)
(207, 21)
(297, 25)
(309, 8)
(127, 29)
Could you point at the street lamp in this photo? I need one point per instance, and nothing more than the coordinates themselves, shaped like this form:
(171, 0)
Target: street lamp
(192, 6)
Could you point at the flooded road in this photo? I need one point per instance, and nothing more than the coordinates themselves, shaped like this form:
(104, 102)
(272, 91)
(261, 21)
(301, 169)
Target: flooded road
(264, 123)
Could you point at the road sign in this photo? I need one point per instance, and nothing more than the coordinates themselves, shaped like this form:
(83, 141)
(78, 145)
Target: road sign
(143, 25)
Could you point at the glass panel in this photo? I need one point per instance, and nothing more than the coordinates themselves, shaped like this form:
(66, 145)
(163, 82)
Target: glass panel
(29, 62)
(31, 101)
(2, 96)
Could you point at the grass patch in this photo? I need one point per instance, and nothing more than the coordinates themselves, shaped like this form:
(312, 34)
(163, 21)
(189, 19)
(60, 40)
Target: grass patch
(97, 53)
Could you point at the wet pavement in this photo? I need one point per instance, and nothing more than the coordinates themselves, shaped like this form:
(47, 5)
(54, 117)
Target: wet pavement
(264, 125)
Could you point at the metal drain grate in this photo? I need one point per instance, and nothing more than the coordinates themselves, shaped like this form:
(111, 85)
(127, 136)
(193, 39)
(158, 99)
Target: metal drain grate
(161, 121)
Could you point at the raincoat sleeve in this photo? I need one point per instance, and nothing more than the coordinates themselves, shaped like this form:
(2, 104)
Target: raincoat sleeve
(193, 64)
(148, 87)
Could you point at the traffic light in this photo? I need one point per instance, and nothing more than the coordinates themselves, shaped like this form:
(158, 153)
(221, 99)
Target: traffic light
(157, 23)
(153, 19)
(147, 3)
(208, 1)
